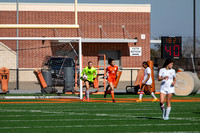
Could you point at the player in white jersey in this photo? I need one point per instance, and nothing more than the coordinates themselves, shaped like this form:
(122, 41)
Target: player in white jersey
(167, 76)
(147, 81)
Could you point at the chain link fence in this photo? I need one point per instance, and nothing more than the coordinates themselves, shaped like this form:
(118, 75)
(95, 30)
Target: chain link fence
(183, 63)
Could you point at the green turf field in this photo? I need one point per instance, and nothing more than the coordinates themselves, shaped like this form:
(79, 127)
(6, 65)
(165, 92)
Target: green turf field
(86, 117)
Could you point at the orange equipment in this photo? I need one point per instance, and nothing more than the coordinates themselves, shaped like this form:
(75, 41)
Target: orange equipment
(150, 63)
(140, 77)
(96, 83)
(4, 73)
(180, 70)
(40, 78)
(119, 73)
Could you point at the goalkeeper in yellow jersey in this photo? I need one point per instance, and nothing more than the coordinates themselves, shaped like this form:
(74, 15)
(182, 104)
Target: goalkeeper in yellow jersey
(88, 75)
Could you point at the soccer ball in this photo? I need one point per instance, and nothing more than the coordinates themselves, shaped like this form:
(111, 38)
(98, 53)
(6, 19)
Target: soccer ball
(84, 77)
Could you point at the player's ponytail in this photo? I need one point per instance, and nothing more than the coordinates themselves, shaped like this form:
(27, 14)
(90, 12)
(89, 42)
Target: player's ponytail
(167, 62)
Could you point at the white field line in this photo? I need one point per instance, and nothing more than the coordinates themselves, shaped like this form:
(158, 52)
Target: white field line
(110, 116)
(93, 126)
(174, 132)
(61, 120)
(77, 113)
(78, 110)
(115, 119)
(30, 115)
(31, 111)
(86, 106)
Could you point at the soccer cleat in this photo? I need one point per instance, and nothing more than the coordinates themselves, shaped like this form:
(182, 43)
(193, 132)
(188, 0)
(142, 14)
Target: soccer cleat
(139, 101)
(114, 101)
(155, 99)
(83, 98)
(166, 118)
(88, 99)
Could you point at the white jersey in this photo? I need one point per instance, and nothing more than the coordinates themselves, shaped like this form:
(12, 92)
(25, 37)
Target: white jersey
(146, 72)
(166, 84)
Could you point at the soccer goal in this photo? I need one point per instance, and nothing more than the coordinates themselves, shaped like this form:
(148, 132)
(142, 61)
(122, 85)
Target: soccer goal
(44, 39)
(63, 48)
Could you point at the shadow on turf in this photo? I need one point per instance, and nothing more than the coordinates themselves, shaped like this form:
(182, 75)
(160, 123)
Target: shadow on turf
(147, 118)
(196, 112)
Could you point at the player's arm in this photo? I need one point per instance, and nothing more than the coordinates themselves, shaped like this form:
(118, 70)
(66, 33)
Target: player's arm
(95, 73)
(82, 72)
(147, 78)
(117, 72)
(174, 79)
(106, 73)
(160, 78)
(149, 74)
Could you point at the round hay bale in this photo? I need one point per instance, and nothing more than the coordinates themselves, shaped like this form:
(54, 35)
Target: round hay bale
(187, 83)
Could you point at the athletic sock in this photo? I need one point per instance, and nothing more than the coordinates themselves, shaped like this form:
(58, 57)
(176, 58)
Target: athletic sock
(88, 93)
(85, 93)
(163, 110)
(141, 94)
(112, 94)
(168, 112)
(153, 95)
(162, 107)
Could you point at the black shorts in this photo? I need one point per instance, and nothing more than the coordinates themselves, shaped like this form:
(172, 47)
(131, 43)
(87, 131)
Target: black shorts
(90, 83)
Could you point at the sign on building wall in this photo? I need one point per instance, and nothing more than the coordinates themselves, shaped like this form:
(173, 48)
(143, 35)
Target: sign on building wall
(142, 36)
(135, 51)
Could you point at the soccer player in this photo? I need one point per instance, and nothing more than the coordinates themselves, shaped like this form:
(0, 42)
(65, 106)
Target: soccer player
(167, 76)
(88, 75)
(147, 81)
(111, 76)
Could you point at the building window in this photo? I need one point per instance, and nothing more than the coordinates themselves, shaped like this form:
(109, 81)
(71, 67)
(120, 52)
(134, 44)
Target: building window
(114, 54)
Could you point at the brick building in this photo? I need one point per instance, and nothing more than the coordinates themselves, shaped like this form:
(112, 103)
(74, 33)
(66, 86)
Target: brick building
(111, 17)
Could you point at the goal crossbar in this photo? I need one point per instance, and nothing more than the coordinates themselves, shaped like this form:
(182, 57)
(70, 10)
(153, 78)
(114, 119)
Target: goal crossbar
(45, 26)
(38, 26)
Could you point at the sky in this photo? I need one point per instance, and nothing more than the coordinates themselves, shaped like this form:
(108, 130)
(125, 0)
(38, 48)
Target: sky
(168, 17)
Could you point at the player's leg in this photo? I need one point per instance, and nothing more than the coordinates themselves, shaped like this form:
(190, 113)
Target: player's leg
(152, 93)
(87, 93)
(107, 88)
(107, 91)
(112, 90)
(162, 105)
(141, 93)
(169, 97)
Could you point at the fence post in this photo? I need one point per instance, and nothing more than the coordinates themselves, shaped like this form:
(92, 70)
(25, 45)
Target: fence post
(186, 64)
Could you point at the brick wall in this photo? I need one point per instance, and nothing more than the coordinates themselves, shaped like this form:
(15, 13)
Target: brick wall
(32, 53)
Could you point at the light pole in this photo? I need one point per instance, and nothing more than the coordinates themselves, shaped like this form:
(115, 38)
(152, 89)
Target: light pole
(17, 49)
(194, 39)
